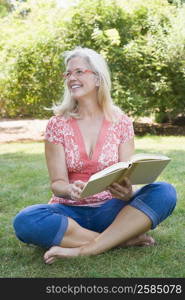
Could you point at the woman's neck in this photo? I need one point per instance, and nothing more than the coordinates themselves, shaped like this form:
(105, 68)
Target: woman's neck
(89, 110)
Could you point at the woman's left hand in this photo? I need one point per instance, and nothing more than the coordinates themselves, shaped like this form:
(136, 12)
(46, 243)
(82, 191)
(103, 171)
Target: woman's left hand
(121, 190)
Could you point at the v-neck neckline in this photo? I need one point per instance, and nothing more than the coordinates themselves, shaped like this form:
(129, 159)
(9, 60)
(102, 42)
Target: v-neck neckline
(99, 142)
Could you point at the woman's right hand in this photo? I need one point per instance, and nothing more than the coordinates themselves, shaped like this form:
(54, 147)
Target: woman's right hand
(75, 189)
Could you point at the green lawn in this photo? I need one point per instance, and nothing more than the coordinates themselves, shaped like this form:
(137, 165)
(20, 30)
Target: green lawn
(24, 181)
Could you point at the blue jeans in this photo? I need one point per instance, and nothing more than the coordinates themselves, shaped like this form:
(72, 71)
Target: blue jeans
(45, 224)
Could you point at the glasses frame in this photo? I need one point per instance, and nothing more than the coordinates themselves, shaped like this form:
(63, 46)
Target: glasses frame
(68, 74)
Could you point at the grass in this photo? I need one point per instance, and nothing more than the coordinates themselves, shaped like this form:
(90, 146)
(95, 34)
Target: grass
(24, 181)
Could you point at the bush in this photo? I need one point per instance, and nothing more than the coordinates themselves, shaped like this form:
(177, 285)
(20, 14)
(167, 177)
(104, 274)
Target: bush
(32, 63)
(142, 40)
(35, 81)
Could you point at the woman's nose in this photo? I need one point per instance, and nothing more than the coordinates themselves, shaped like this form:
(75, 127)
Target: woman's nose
(72, 76)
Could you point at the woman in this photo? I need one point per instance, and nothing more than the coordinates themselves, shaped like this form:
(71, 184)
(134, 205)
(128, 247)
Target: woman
(87, 134)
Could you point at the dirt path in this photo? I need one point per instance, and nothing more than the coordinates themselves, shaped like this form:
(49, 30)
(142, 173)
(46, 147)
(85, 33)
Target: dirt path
(22, 130)
(33, 130)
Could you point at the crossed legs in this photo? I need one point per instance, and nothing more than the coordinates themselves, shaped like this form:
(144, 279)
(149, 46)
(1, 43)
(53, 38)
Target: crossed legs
(128, 225)
(128, 229)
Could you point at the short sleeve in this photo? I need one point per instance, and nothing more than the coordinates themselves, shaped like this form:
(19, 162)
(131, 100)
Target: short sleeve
(126, 129)
(55, 130)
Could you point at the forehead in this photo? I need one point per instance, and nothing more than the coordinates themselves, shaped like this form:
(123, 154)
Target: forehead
(77, 63)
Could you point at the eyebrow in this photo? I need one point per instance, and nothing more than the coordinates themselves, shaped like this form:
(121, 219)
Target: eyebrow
(68, 70)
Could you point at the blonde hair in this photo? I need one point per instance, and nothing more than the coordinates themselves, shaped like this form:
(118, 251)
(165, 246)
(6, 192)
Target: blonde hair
(68, 106)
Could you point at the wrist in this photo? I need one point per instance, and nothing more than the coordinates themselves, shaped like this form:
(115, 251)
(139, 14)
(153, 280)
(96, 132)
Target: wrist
(61, 189)
(68, 190)
(129, 196)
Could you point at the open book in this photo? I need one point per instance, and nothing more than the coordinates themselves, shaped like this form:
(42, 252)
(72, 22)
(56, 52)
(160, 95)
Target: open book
(142, 168)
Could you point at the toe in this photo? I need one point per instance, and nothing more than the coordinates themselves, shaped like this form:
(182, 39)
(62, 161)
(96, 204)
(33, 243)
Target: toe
(49, 260)
(151, 241)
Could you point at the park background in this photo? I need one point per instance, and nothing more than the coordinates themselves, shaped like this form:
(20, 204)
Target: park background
(144, 44)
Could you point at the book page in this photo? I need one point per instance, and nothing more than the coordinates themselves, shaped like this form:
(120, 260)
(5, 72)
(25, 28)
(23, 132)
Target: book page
(96, 185)
(118, 166)
(147, 156)
(146, 171)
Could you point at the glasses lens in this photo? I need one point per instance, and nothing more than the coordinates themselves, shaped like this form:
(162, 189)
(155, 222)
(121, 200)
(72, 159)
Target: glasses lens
(76, 73)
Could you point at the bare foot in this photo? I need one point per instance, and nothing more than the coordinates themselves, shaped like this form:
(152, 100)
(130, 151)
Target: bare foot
(141, 240)
(59, 252)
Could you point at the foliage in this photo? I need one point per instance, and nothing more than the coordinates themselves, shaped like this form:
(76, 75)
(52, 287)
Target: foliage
(31, 78)
(143, 42)
(5, 7)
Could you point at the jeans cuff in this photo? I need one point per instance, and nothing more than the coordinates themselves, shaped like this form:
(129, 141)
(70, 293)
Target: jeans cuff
(61, 231)
(147, 210)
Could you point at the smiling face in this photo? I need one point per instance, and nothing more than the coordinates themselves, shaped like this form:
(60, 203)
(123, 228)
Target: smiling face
(81, 81)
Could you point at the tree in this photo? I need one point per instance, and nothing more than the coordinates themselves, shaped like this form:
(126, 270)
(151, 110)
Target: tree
(142, 40)
(5, 7)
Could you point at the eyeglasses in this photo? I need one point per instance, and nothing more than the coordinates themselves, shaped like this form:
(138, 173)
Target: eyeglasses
(77, 73)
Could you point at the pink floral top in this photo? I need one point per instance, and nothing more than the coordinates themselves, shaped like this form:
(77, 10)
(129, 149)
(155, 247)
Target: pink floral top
(65, 131)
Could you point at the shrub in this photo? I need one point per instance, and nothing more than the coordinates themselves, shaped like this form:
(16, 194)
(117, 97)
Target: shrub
(142, 40)
(30, 62)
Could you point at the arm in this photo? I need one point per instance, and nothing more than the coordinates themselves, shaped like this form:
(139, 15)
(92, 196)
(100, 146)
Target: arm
(124, 190)
(126, 150)
(58, 173)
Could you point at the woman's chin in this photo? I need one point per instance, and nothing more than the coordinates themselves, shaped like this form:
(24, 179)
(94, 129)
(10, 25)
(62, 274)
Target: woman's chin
(76, 95)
